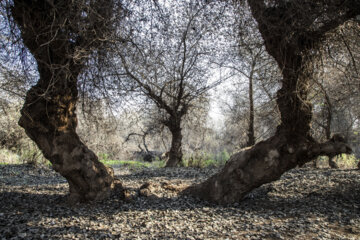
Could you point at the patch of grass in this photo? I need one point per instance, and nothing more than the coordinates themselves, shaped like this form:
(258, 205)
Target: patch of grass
(131, 164)
(223, 156)
(347, 161)
(134, 164)
(32, 155)
(203, 159)
(110, 162)
(158, 164)
(8, 157)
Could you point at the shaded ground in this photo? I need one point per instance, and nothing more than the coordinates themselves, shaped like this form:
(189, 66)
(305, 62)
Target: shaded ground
(303, 204)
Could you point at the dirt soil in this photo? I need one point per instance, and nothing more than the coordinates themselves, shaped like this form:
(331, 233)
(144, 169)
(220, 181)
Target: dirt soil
(303, 204)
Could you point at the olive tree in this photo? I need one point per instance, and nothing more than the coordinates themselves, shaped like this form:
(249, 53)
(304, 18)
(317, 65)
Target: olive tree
(292, 31)
(166, 55)
(61, 36)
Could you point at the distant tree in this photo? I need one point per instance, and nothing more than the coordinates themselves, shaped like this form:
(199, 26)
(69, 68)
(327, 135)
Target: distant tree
(293, 32)
(257, 75)
(166, 57)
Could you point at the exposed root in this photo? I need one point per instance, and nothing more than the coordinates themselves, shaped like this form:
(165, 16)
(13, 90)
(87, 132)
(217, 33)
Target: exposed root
(155, 190)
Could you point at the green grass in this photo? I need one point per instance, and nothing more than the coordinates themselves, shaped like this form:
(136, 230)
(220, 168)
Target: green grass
(8, 157)
(345, 161)
(133, 164)
(110, 162)
(204, 159)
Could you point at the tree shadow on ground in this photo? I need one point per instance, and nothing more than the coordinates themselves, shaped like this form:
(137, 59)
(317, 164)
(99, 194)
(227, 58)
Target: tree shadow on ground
(338, 203)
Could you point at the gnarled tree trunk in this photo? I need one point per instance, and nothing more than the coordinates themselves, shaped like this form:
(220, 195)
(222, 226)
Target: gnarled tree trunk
(292, 144)
(48, 115)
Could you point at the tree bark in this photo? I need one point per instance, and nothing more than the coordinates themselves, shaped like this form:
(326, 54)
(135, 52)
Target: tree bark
(251, 131)
(262, 163)
(292, 144)
(50, 122)
(175, 153)
(48, 115)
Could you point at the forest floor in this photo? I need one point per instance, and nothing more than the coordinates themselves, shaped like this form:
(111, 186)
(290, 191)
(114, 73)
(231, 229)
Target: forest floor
(303, 204)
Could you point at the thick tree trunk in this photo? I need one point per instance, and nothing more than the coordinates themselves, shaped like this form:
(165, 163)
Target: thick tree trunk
(48, 115)
(262, 163)
(50, 122)
(292, 144)
(175, 153)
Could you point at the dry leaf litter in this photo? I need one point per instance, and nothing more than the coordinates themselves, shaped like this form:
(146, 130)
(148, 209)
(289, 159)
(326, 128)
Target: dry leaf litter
(303, 204)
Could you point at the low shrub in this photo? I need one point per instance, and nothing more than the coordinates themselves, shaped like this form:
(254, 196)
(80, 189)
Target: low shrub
(203, 159)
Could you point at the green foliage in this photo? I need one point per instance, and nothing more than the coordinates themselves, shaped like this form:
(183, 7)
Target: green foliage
(204, 159)
(223, 156)
(347, 161)
(131, 164)
(8, 157)
(31, 155)
(28, 154)
(158, 163)
(104, 157)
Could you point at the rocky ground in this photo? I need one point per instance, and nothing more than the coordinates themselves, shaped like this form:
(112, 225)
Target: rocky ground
(303, 204)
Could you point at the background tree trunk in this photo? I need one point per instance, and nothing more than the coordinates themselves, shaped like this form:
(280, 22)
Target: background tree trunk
(50, 122)
(48, 115)
(332, 161)
(175, 153)
(251, 131)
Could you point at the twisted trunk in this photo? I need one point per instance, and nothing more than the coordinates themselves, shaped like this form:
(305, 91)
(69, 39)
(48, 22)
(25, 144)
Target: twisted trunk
(292, 144)
(50, 121)
(48, 115)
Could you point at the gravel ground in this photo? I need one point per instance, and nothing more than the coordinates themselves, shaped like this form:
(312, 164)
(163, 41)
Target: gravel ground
(303, 204)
